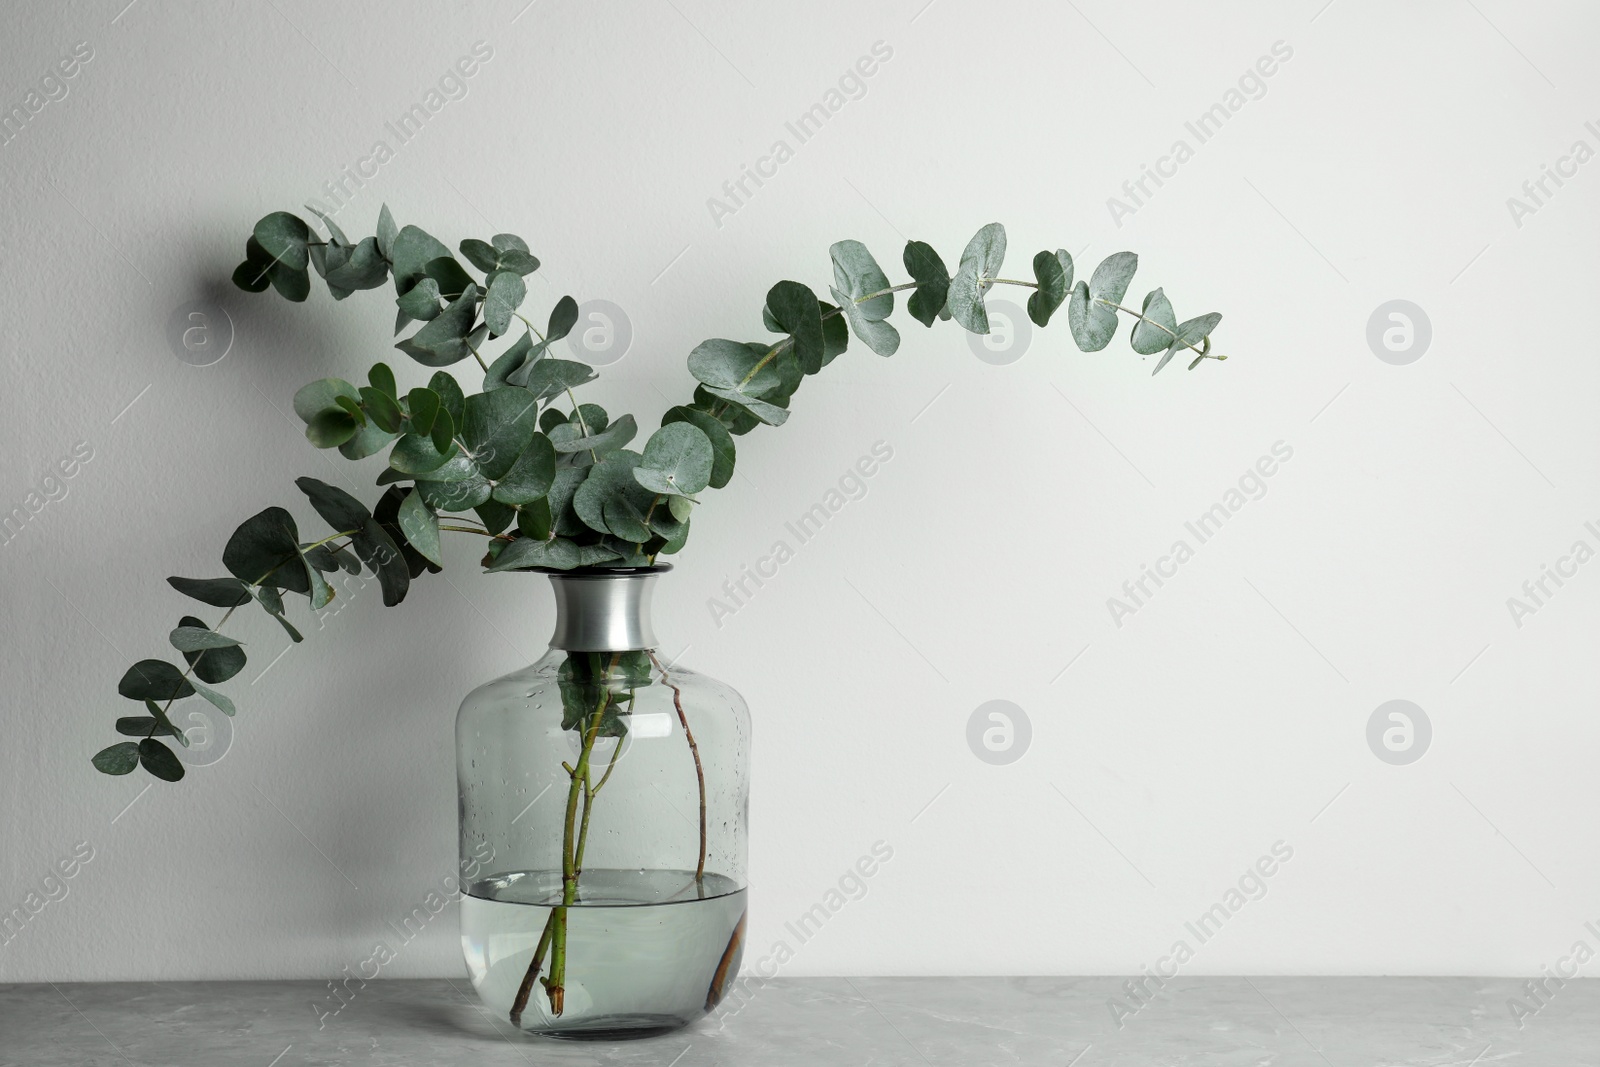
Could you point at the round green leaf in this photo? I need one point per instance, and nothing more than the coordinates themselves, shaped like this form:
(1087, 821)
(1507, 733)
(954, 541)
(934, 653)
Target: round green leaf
(531, 475)
(723, 452)
(265, 549)
(857, 273)
(1159, 327)
(321, 396)
(677, 460)
(159, 760)
(1054, 273)
(154, 679)
(118, 759)
(283, 237)
(932, 278)
(980, 265)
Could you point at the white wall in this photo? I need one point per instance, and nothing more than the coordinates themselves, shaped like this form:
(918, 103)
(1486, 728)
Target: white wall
(1227, 714)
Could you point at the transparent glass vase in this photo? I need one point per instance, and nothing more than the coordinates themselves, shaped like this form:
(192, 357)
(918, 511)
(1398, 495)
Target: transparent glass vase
(604, 801)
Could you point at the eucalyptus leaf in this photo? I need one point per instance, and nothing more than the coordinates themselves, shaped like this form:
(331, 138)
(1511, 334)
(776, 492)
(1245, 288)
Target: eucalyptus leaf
(291, 284)
(335, 234)
(551, 377)
(442, 436)
(214, 664)
(1054, 273)
(879, 336)
(611, 495)
(364, 268)
(410, 252)
(446, 339)
(855, 272)
(450, 396)
(381, 377)
(218, 592)
(381, 408)
(457, 494)
(417, 454)
(793, 308)
(222, 703)
(420, 524)
(1092, 321)
(283, 237)
(932, 278)
(251, 275)
(508, 363)
(723, 452)
(386, 232)
(369, 440)
(1193, 331)
(321, 593)
(534, 519)
(497, 427)
(199, 638)
(154, 679)
(1158, 328)
(677, 460)
(338, 508)
(723, 364)
(422, 301)
(265, 550)
(120, 758)
(769, 413)
(503, 298)
(316, 398)
(980, 265)
(423, 404)
(158, 759)
(379, 552)
(452, 277)
(525, 552)
(569, 438)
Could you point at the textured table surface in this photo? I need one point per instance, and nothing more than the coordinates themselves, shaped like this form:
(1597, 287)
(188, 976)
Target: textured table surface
(884, 1022)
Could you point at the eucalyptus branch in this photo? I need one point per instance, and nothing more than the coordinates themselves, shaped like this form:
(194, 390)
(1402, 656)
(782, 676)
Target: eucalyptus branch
(699, 771)
(495, 451)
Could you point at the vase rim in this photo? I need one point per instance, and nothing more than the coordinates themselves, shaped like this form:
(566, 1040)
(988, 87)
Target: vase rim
(603, 572)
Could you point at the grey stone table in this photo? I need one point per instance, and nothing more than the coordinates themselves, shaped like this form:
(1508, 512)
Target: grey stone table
(883, 1022)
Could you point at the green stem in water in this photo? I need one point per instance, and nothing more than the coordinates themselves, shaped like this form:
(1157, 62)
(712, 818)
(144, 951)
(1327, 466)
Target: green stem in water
(574, 837)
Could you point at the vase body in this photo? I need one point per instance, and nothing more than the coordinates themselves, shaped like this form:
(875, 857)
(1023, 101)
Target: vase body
(603, 804)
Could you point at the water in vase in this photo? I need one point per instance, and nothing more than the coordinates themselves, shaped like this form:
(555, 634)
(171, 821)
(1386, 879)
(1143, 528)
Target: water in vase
(646, 950)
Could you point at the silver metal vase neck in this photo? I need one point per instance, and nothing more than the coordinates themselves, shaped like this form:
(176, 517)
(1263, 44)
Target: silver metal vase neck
(604, 611)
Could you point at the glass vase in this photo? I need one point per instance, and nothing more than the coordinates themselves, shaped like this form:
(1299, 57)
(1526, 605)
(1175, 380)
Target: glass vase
(603, 803)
